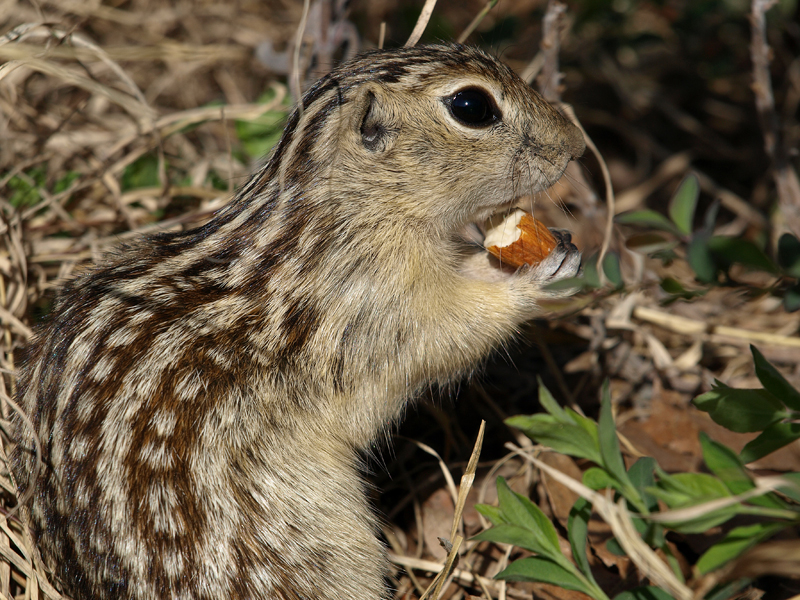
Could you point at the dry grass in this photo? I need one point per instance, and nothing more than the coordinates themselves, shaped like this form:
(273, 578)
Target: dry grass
(86, 91)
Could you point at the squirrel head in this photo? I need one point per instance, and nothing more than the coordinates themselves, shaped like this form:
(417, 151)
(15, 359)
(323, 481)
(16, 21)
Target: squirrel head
(445, 135)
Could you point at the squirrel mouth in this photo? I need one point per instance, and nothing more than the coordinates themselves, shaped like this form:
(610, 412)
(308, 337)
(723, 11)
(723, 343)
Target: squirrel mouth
(474, 232)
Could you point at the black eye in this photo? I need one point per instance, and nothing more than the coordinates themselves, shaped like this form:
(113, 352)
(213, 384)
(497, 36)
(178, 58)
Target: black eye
(472, 107)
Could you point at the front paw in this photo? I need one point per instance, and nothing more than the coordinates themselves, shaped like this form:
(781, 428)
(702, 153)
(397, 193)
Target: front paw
(563, 262)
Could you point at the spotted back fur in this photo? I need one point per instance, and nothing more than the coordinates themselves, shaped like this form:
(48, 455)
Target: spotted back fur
(202, 397)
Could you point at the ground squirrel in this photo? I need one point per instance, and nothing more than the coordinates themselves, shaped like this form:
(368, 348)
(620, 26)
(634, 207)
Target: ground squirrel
(202, 397)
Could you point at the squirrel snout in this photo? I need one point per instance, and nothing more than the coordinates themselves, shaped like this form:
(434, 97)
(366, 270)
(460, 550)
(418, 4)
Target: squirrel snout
(574, 140)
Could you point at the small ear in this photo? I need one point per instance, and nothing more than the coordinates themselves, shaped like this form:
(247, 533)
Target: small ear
(376, 128)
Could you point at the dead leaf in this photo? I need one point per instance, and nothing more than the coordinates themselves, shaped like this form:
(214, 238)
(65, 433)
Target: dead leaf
(437, 517)
(560, 498)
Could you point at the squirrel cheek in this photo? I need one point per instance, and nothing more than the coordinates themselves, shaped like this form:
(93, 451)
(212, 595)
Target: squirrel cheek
(518, 239)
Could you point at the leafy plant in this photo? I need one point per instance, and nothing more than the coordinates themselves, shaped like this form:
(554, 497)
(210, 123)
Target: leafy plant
(692, 502)
(143, 172)
(774, 410)
(710, 256)
(520, 522)
(25, 188)
(259, 135)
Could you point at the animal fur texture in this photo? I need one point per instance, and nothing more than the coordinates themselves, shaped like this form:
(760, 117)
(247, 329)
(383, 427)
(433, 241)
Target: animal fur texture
(203, 396)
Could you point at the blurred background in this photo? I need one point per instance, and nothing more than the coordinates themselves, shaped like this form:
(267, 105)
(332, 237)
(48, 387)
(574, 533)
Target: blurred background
(123, 117)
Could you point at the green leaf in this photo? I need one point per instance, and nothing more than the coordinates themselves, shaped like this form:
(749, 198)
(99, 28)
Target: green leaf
(66, 180)
(642, 477)
(644, 593)
(673, 562)
(612, 269)
(613, 546)
(726, 464)
(577, 531)
(700, 258)
(590, 273)
(537, 568)
(729, 590)
(684, 490)
(703, 523)
(741, 410)
(26, 191)
(527, 527)
(734, 544)
(647, 218)
(585, 423)
(596, 478)
(773, 438)
(648, 243)
(609, 447)
(573, 439)
(684, 203)
(710, 218)
(791, 298)
(687, 489)
(667, 257)
(730, 250)
(774, 382)
(259, 135)
(22, 193)
(515, 535)
(639, 525)
(723, 462)
(789, 254)
(518, 510)
(654, 536)
(672, 286)
(143, 172)
(550, 405)
(491, 512)
(792, 489)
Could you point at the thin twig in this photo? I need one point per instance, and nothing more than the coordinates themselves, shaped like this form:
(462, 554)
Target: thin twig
(476, 21)
(298, 44)
(467, 480)
(786, 181)
(166, 51)
(533, 68)
(437, 584)
(422, 23)
(549, 79)
(382, 35)
(610, 202)
(77, 79)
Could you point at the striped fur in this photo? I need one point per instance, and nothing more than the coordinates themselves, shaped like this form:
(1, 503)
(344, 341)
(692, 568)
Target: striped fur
(203, 396)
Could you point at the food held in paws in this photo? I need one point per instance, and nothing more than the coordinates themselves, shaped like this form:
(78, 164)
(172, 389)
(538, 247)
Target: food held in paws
(517, 238)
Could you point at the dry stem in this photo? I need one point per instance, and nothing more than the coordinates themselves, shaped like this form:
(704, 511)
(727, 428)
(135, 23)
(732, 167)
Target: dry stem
(785, 176)
(422, 23)
(549, 79)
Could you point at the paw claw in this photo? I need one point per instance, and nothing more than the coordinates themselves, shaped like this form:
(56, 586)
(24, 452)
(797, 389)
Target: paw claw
(564, 260)
(562, 235)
